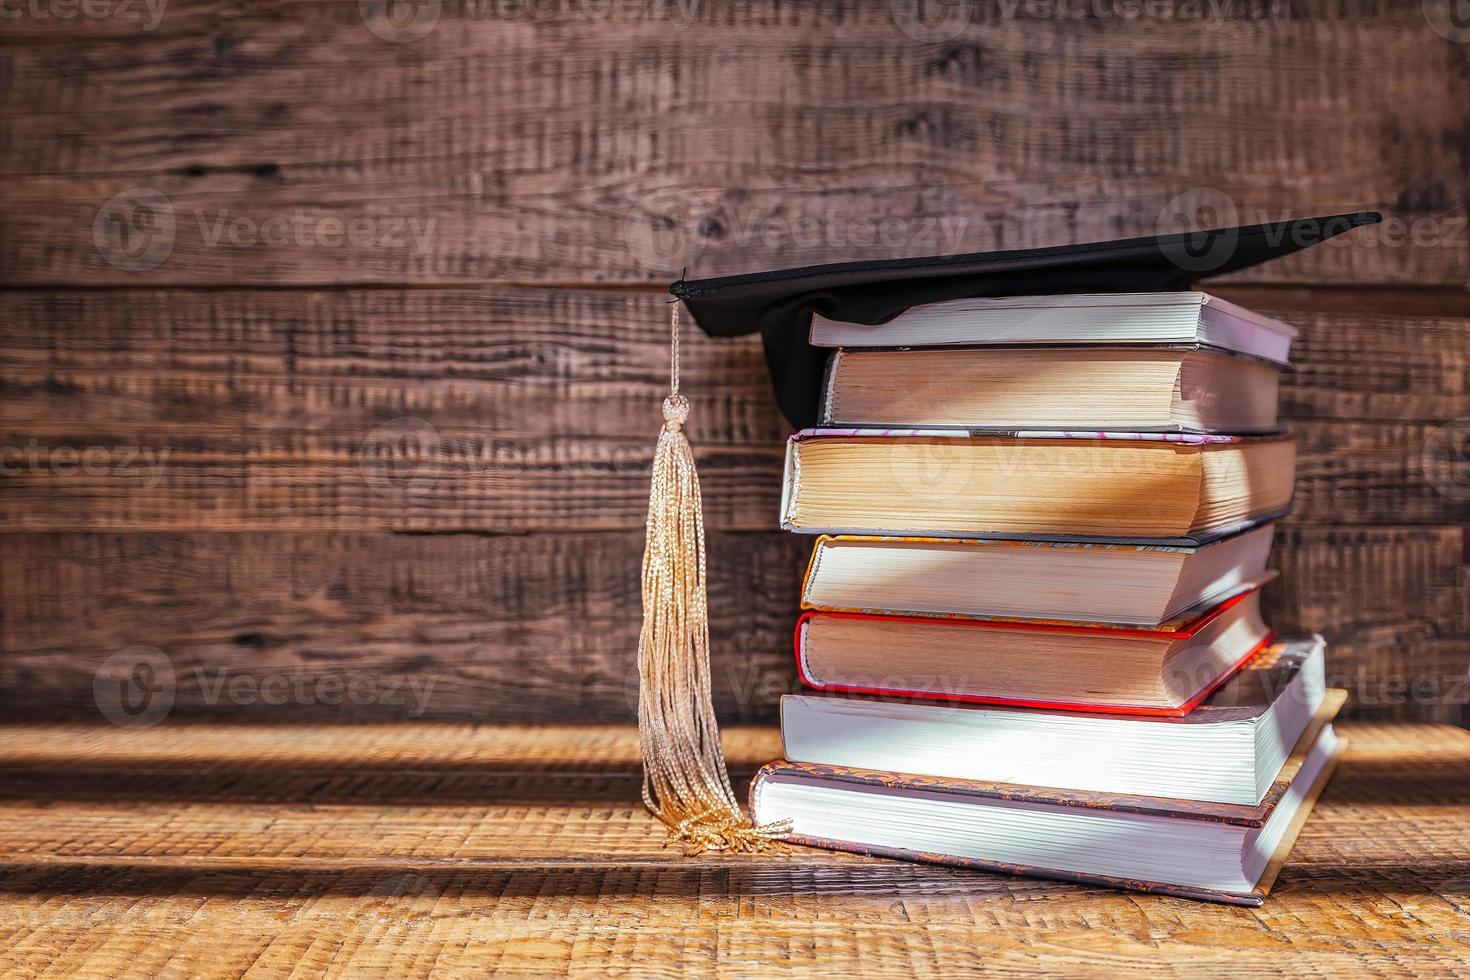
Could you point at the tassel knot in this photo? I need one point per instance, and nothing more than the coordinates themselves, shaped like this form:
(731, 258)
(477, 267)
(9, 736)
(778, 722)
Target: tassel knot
(676, 412)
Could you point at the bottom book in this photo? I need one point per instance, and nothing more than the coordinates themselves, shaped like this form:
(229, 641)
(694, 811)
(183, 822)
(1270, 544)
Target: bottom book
(1219, 852)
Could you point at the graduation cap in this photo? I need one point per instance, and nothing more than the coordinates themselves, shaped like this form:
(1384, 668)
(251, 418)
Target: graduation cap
(685, 780)
(780, 304)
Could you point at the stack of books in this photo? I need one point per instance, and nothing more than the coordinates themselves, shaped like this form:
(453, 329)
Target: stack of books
(1032, 630)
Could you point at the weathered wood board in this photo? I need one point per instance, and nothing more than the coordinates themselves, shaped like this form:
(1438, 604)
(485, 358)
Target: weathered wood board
(282, 142)
(318, 350)
(544, 627)
(525, 410)
(418, 850)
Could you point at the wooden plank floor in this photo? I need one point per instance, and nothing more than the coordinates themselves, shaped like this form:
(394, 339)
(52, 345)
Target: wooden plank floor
(434, 849)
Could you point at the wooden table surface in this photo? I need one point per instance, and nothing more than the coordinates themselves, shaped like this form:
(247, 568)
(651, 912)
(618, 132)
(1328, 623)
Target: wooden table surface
(411, 850)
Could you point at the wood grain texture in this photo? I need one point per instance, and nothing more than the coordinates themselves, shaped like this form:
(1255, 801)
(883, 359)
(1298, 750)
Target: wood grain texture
(517, 410)
(521, 364)
(135, 854)
(316, 145)
(533, 628)
(512, 410)
(309, 143)
(530, 410)
(544, 627)
(412, 475)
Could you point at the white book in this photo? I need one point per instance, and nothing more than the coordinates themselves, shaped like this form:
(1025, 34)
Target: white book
(1187, 317)
(1214, 852)
(1228, 750)
(1144, 585)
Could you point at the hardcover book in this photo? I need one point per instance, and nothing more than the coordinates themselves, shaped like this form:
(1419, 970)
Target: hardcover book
(1145, 585)
(1227, 750)
(1138, 389)
(1218, 852)
(1164, 317)
(1100, 667)
(1163, 488)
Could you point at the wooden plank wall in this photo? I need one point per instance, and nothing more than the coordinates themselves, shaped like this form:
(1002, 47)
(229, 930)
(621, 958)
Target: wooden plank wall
(333, 331)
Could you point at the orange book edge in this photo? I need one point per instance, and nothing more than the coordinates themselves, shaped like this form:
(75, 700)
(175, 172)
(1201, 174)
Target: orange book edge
(1184, 632)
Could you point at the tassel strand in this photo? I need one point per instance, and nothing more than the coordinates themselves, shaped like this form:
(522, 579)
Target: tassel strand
(685, 782)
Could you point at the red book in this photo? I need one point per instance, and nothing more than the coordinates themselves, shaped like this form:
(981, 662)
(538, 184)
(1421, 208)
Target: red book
(1097, 667)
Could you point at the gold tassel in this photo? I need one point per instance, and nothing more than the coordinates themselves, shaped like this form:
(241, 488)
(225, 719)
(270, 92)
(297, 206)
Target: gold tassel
(685, 783)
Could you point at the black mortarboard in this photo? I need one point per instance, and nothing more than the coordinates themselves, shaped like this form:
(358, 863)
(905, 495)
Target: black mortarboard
(780, 304)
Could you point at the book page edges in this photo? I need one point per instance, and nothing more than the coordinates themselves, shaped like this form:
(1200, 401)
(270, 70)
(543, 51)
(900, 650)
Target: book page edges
(1153, 711)
(1308, 804)
(1239, 814)
(1253, 898)
(790, 484)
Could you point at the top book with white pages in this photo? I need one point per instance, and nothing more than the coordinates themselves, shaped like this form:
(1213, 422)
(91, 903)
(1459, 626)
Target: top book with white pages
(1188, 317)
(1175, 361)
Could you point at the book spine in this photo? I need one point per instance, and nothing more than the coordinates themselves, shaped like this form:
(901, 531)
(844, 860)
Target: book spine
(812, 566)
(790, 483)
(829, 387)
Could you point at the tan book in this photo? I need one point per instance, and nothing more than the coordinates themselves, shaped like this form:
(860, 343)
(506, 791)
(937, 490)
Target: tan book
(1196, 390)
(1160, 488)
